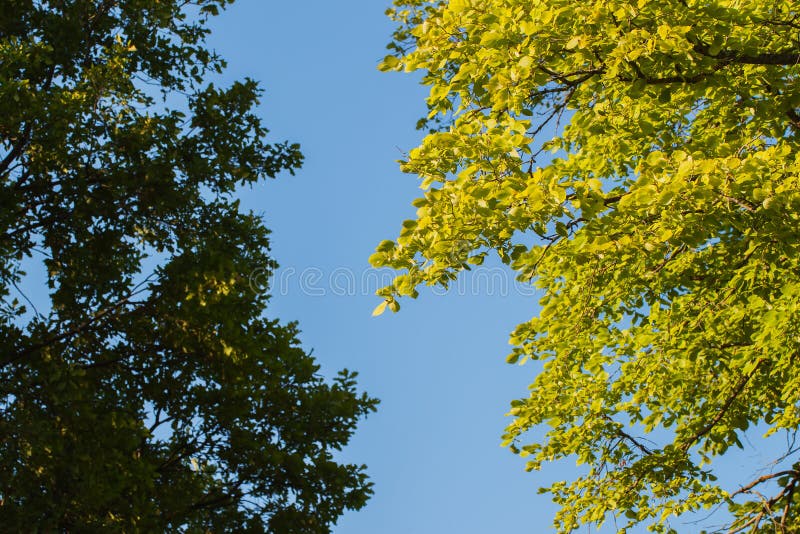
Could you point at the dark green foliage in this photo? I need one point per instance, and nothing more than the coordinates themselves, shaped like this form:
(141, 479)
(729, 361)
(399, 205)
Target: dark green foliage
(148, 401)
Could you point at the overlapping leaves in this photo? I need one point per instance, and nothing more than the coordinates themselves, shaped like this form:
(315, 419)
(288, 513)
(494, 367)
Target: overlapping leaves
(638, 161)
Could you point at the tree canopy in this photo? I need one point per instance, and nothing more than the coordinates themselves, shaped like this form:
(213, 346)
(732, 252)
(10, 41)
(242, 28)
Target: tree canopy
(638, 161)
(152, 393)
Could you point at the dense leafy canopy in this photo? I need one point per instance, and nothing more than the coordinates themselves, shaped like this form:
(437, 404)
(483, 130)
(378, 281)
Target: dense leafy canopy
(664, 231)
(151, 394)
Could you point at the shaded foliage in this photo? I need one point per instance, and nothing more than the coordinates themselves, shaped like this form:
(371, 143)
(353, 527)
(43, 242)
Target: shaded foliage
(148, 398)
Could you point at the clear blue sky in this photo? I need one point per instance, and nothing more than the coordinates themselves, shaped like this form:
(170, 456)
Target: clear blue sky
(433, 449)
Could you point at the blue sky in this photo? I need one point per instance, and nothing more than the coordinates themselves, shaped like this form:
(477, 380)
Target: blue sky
(433, 448)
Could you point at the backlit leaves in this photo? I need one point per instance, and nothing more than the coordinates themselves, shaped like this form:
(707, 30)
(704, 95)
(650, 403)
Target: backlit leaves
(638, 161)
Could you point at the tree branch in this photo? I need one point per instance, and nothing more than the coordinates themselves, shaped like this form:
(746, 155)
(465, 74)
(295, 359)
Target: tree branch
(77, 329)
(725, 407)
(786, 58)
(762, 479)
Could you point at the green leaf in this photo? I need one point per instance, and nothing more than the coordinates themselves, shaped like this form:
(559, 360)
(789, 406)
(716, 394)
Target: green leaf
(389, 63)
(380, 308)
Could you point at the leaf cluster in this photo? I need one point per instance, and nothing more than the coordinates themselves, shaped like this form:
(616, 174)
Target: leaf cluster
(152, 393)
(638, 161)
